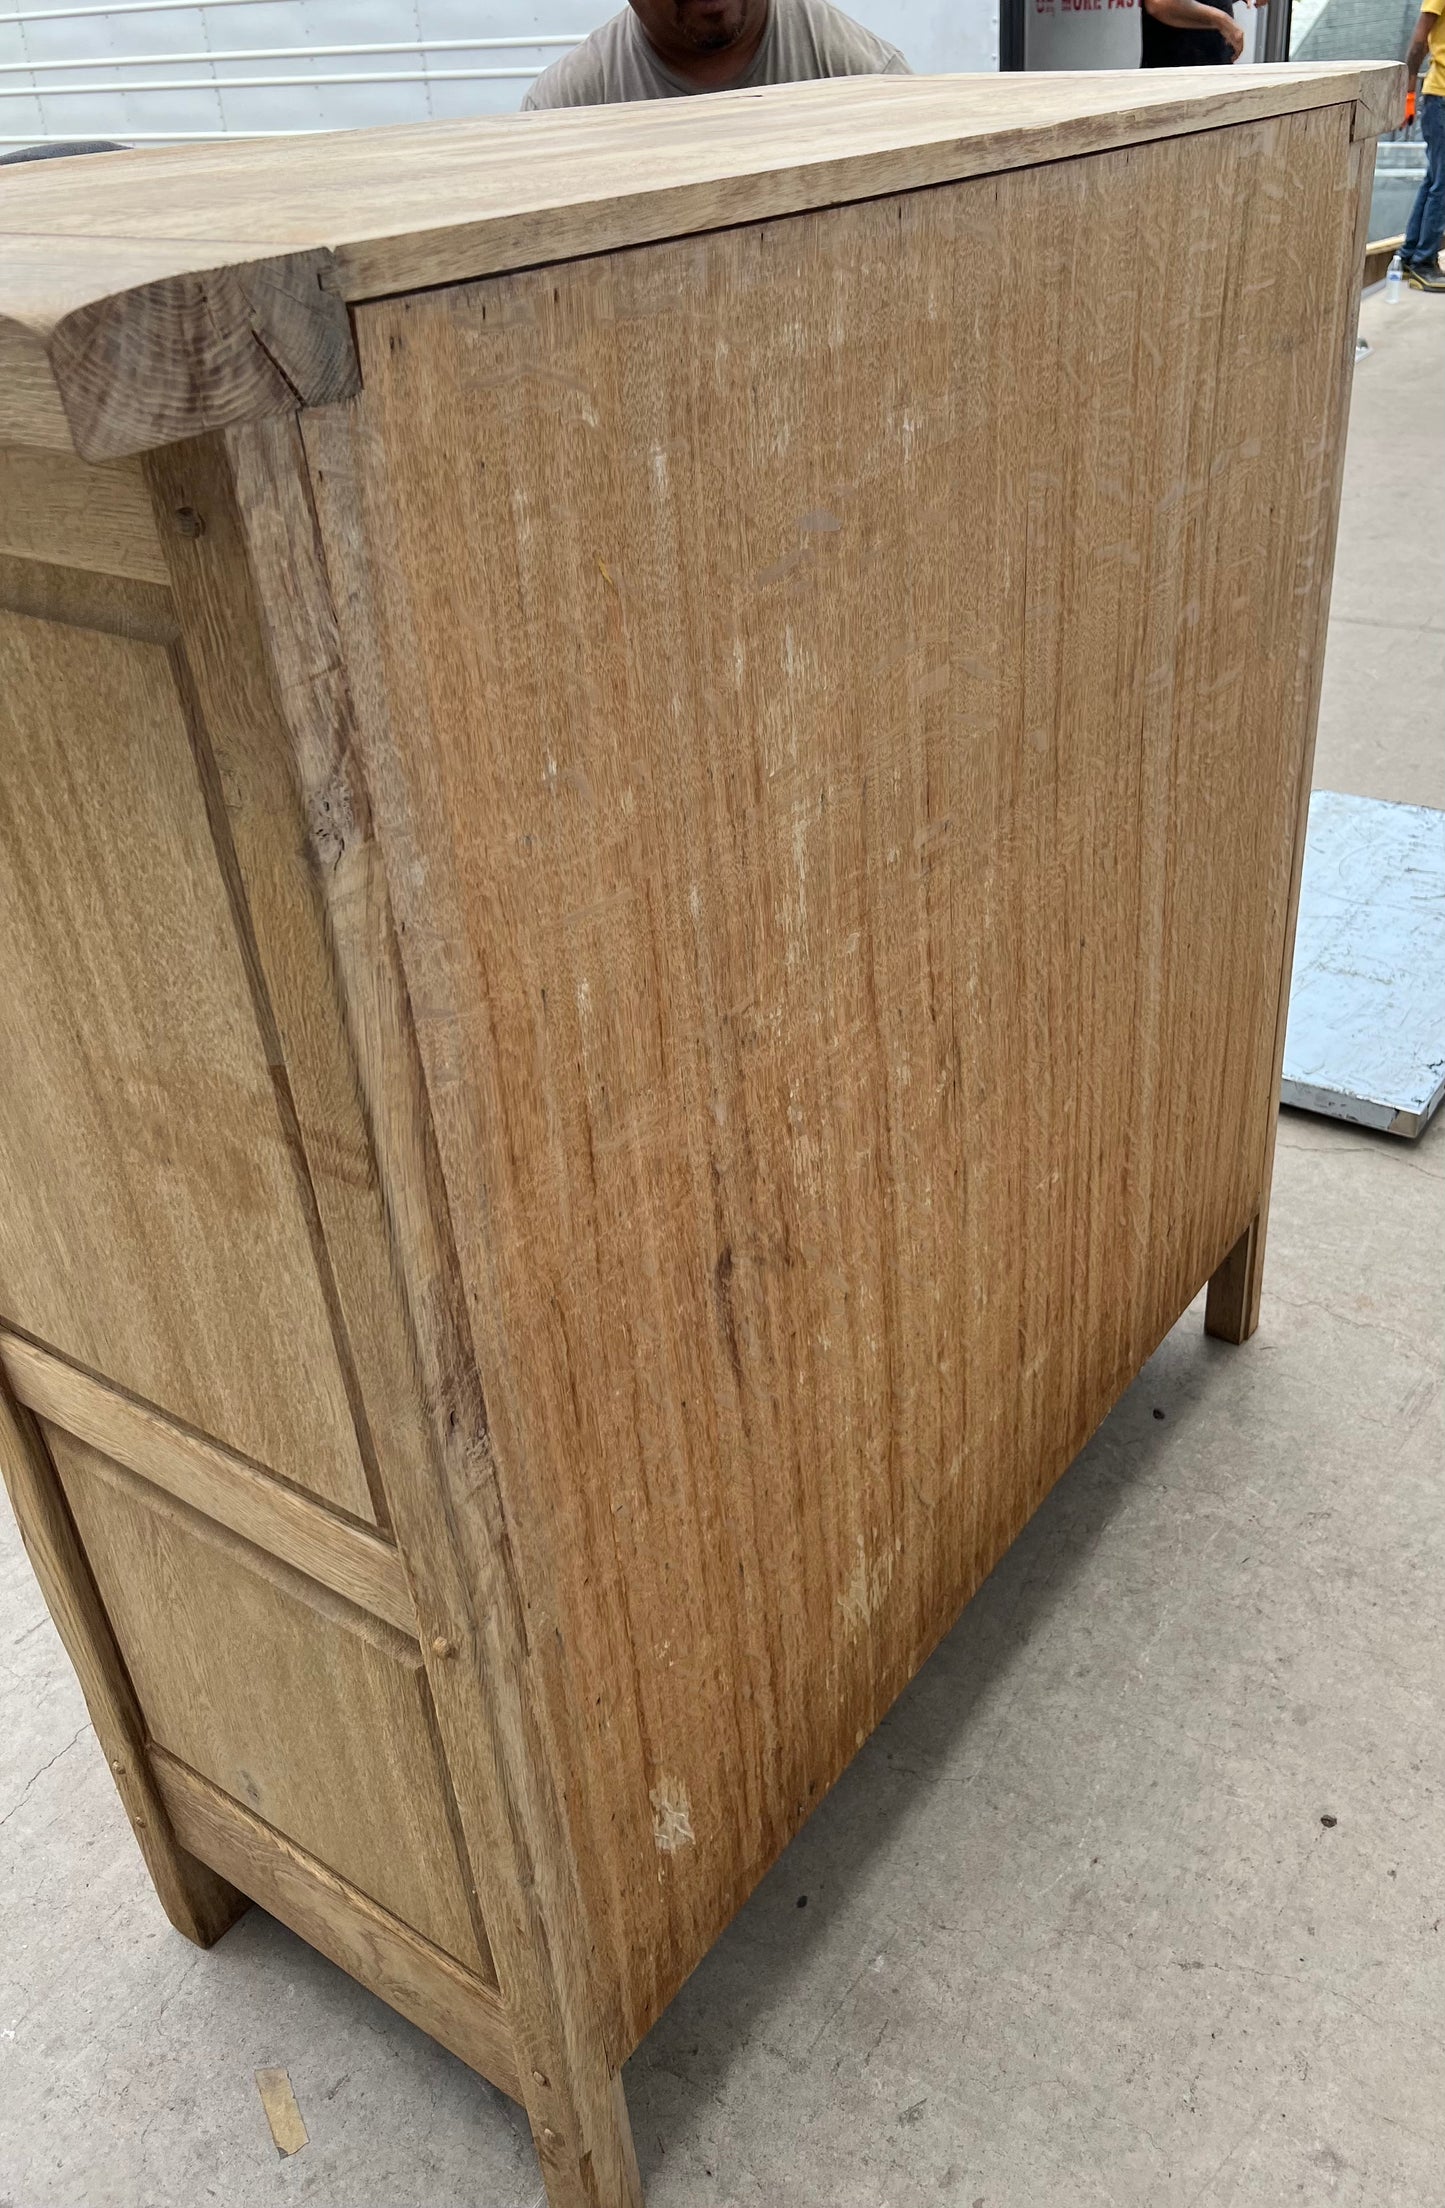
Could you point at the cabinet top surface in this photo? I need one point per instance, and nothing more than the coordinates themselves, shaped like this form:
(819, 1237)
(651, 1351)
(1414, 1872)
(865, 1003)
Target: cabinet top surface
(377, 212)
(390, 203)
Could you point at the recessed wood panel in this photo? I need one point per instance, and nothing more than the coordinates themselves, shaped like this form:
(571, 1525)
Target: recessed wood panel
(836, 695)
(464, 2012)
(312, 1714)
(155, 1225)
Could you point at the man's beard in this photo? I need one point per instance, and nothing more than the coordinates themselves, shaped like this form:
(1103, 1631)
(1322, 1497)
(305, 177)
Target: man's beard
(709, 38)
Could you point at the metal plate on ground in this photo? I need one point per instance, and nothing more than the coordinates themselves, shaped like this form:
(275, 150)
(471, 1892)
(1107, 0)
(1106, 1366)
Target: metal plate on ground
(1366, 1036)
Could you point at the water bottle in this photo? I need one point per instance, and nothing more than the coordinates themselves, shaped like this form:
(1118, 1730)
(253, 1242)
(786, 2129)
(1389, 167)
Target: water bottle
(1394, 283)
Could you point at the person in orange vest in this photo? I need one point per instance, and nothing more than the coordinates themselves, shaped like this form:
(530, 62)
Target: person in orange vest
(1420, 253)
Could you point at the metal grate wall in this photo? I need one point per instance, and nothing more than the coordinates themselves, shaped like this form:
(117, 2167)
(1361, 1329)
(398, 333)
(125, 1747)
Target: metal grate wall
(152, 71)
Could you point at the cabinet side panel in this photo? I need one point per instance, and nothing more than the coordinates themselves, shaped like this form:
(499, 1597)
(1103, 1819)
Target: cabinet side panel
(191, 1278)
(845, 688)
(311, 1714)
(152, 1228)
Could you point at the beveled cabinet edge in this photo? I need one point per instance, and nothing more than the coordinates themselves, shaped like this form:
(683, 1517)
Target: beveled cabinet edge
(113, 346)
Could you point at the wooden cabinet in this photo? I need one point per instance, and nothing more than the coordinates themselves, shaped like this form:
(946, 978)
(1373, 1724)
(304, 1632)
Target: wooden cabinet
(653, 770)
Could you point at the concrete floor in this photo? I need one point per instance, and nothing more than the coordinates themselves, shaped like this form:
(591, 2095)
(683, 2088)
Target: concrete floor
(1382, 711)
(1076, 1931)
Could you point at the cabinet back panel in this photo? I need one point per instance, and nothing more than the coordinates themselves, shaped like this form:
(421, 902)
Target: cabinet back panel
(843, 691)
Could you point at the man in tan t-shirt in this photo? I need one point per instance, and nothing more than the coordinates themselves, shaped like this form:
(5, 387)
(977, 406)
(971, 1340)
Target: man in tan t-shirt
(665, 49)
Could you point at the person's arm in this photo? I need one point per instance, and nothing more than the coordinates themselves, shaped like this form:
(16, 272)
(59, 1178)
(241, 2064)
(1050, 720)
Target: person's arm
(1419, 45)
(1417, 49)
(1193, 15)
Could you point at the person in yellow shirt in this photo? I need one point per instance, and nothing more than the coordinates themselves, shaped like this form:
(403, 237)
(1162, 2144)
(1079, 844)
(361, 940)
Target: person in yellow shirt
(1419, 255)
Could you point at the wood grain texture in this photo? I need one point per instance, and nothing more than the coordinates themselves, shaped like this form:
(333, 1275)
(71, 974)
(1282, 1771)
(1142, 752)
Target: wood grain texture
(307, 1710)
(198, 1903)
(652, 972)
(155, 1226)
(256, 795)
(346, 1558)
(495, 1687)
(31, 409)
(57, 508)
(426, 1985)
(87, 598)
(196, 291)
(1379, 106)
(113, 345)
(1231, 1310)
(845, 968)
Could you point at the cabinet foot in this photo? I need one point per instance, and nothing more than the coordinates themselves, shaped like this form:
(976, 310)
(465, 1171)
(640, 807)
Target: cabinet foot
(1231, 1310)
(601, 2175)
(196, 1900)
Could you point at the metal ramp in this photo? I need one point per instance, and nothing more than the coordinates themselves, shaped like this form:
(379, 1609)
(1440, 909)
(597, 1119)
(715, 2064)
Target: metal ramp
(1366, 1035)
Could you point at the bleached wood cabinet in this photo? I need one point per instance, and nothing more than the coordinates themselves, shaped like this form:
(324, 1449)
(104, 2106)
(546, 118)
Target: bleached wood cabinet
(653, 769)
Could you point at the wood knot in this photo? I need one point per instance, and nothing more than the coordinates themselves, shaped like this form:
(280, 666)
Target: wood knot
(188, 522)
(441, 1646)
(331, 820)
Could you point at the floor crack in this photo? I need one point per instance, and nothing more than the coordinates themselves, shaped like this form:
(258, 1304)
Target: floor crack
(36, 1776)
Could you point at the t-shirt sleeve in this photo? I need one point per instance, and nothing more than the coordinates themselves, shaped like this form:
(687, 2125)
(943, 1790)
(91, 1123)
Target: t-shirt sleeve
(559, 86)
(839, 45)
(576, 79)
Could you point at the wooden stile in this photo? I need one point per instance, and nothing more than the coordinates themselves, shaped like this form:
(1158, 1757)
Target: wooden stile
(647, 868)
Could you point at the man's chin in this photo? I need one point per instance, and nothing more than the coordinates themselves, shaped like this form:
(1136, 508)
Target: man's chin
(706, 34)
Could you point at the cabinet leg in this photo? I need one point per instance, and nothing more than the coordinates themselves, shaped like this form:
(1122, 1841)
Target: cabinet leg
(198, 1903)
(600, 2173)
(1231, 1310)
